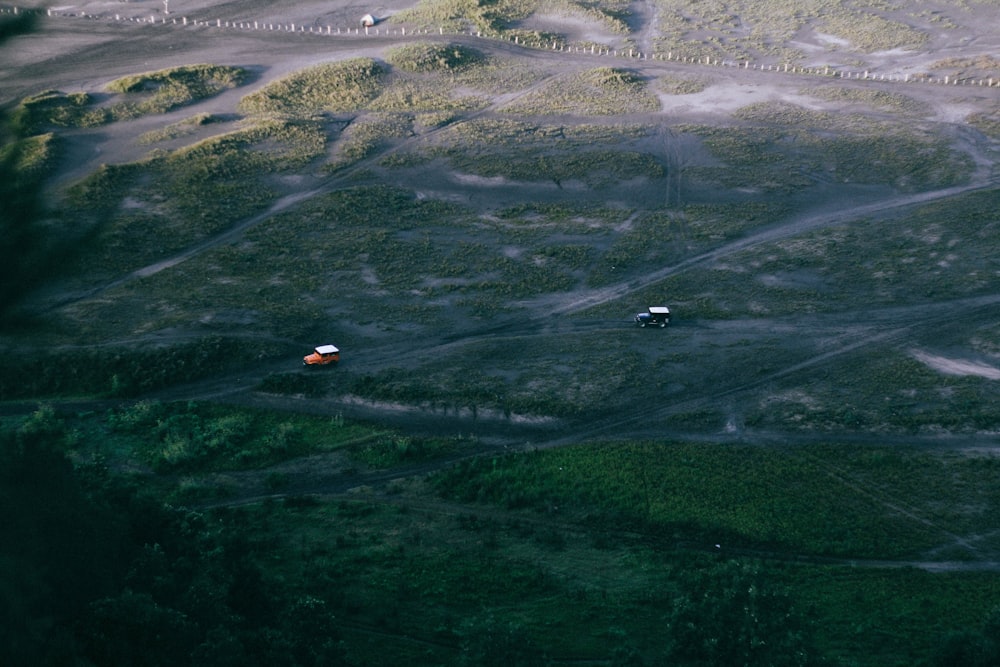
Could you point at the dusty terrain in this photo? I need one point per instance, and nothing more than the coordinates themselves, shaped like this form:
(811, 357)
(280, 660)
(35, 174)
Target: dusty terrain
(89, 43)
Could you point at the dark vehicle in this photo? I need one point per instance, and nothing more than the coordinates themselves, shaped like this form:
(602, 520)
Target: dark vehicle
(655, 316)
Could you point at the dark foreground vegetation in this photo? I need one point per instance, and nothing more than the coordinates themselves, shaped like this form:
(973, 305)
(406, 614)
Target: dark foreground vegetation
(655, 553)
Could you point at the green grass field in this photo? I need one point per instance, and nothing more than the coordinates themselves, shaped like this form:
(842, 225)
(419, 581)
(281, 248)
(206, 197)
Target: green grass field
(578, 553)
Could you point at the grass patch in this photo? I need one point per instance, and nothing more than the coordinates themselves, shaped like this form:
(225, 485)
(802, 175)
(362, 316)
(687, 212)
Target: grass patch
(547, 153)
(103, 188)
(491, 18)
(434, 57)
(58, 109)
(365, 136)
(422, 96)
(28, 161)
(890, 392)
(165, 90)
(144, 94)
(987, 123)
(746, 496)
(870, 32)
(876, 99)
(388, 450)
(499, 76)
(296, 266)
(596, 169)
(143, 210)
(177, 130)
(892, 262)
(299, 383)
(571, 386)
(197, 437)
(604, 91)
(334, 87)
(677, 85)
(509, 133)
(786, 146)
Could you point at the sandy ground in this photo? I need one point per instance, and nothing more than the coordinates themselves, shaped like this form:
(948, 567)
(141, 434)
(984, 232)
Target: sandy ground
(91, 43)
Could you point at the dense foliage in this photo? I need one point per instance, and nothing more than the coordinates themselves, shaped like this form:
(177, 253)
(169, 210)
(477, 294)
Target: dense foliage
(100, 371)
(98, 567)
(95, 570)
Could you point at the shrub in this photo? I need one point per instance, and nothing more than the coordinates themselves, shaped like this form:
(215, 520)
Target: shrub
(53, 107)
(430, 57)
(339, 86)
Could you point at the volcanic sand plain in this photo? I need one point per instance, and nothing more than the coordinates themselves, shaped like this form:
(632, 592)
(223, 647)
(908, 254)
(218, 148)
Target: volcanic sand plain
(824, 233)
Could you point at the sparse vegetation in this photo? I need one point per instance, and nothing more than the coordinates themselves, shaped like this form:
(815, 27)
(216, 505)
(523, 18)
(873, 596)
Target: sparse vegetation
(877, 99)
(675, 85)
(987, 123)
(433, 57)
(31, 159)
(778, 154)
(492, 18)
(870, 32)
(980, 67)
(159, 92)
(137, 95)
(177, 130)
(604, 91)
(332, 87)
(55, 108)
(365, 136)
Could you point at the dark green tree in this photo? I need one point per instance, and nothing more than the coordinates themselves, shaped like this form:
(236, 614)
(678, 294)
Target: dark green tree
(731, 614)
(487, 642)
(971, 648)
(314, 634)
(58, 548)
(132, 629)
(221, 647)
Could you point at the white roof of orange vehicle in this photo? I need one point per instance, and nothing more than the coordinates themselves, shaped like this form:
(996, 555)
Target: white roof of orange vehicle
(327, 349)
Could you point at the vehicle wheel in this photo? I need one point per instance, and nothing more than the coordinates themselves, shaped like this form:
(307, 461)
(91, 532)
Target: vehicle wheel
(642, 324)
(663, 325)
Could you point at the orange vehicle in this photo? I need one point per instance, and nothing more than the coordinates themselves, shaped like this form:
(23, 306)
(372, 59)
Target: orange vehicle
(322, 356)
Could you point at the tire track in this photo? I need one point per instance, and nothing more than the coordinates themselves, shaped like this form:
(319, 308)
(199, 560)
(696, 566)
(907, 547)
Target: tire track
(648, 412)
(794, 227)
(328, 185)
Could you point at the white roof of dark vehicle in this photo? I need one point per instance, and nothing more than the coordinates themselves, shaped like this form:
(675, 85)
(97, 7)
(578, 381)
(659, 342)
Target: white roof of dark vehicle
(659, 309)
